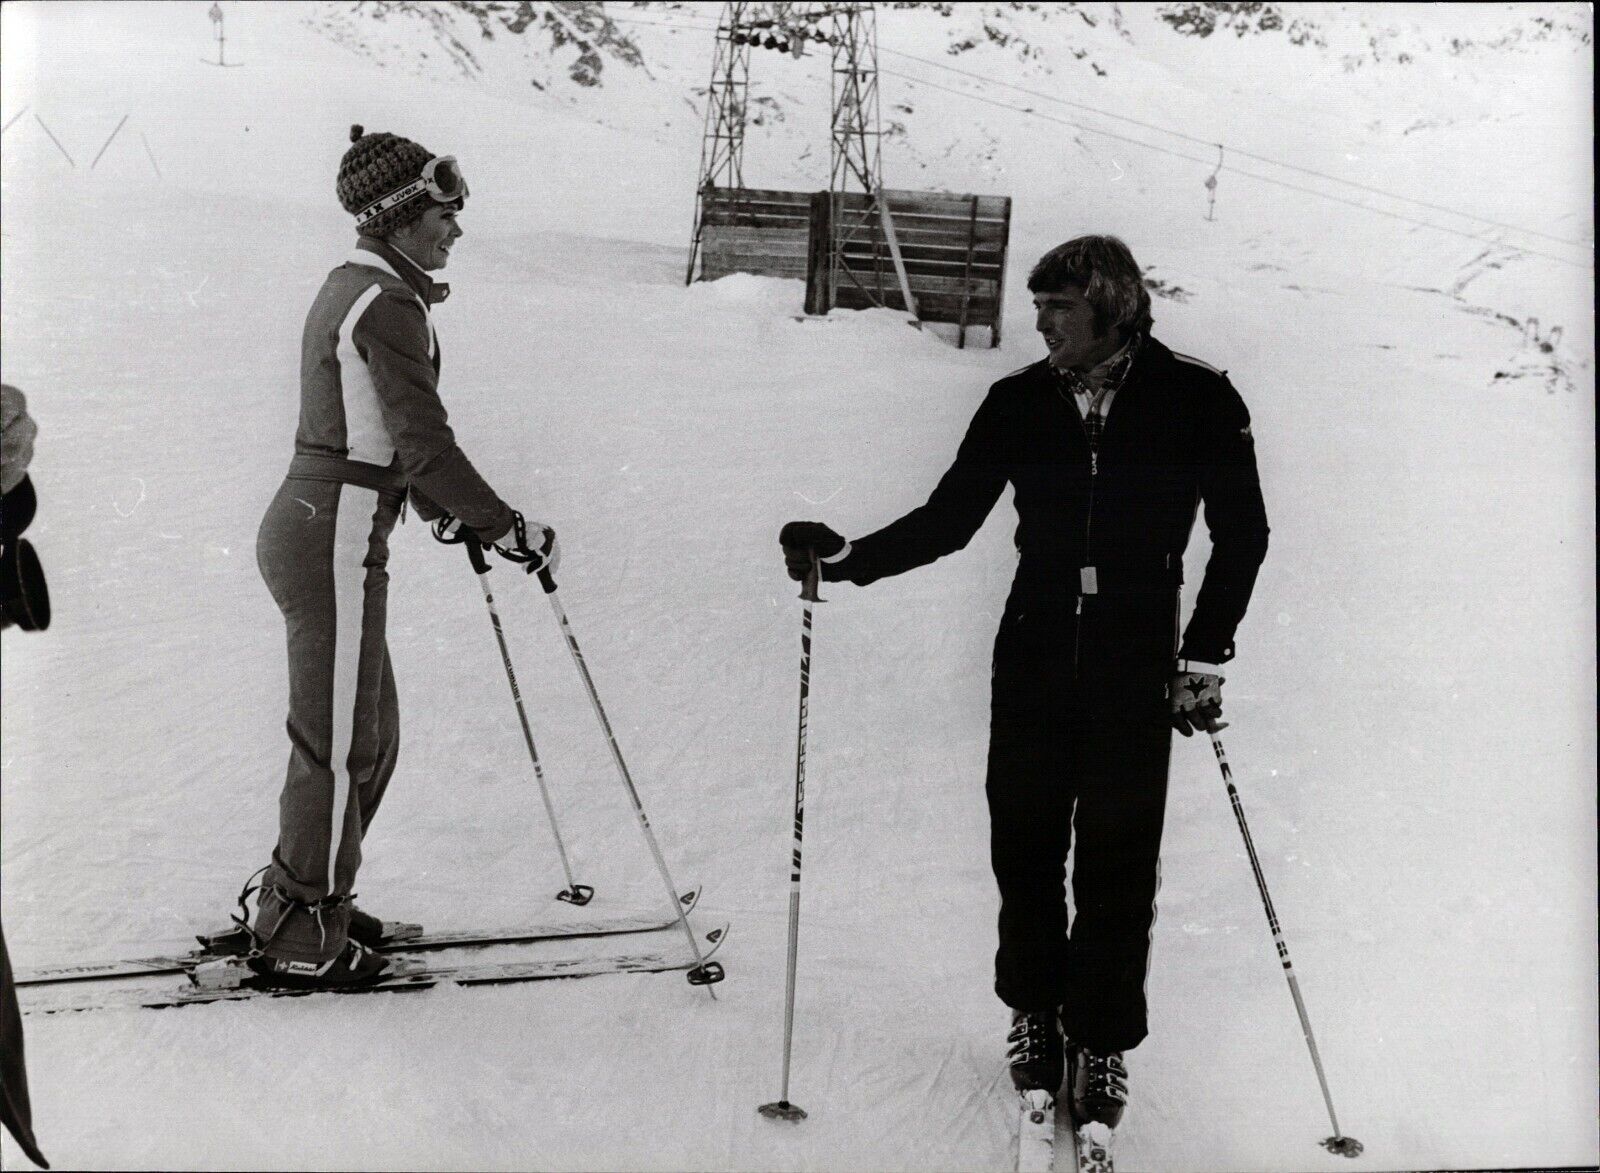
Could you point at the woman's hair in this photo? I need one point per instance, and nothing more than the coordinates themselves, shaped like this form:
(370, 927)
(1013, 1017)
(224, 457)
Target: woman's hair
(1107, 273)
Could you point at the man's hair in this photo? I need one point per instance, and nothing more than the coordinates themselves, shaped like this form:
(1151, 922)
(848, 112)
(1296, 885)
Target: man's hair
(1104, 268)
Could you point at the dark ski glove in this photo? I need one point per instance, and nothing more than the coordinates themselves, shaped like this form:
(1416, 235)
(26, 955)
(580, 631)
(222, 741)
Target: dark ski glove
(1196, 701)
(543, 555)
(800, 539)
(532, 545)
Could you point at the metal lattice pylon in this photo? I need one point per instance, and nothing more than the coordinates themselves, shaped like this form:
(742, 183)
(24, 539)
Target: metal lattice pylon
(855, 164)
(855, 158)
(854, 161)
(722, 142)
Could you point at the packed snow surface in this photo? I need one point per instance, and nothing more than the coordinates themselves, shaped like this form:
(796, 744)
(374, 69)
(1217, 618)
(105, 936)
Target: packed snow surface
(1412, 705)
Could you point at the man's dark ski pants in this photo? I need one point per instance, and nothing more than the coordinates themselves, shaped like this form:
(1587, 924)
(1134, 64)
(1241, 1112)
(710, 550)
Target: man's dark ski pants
(323, 549)
(1079, 741)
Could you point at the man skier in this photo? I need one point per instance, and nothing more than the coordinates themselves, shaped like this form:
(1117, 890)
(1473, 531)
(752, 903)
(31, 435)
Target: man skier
(1112, 442)
(371, 428)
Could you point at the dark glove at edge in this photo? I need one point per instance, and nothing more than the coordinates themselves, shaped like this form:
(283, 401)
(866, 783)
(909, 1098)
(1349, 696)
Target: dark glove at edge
(801, 539)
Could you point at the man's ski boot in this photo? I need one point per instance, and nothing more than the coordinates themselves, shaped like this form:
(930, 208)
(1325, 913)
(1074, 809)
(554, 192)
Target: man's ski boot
(354, 965)
(1035, 1051)
(1098, 1094)
(1099, 1086)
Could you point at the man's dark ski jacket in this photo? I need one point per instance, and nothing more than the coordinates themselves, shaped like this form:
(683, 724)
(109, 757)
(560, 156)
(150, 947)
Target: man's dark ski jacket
(1177, 436)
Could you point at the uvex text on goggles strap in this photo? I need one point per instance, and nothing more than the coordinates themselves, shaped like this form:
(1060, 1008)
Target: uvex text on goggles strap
(428, 182)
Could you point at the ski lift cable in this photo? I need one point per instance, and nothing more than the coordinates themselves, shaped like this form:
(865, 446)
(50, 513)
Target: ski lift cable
(1236, 170)
(1177, 134)
(1243, 154)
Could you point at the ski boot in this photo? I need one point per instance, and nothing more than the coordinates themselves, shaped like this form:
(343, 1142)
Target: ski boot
(1099, 1086)
(354, 965)
(380, 934)
(1098, 1093)
(1035, 1051)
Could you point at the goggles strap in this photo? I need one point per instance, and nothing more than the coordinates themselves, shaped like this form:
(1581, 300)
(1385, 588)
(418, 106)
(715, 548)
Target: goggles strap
(395, 198)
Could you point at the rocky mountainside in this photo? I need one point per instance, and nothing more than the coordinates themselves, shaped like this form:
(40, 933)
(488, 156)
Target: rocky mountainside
(573, 40)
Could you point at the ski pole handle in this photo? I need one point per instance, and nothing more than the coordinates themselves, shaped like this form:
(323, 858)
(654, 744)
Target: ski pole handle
(480, 561)
(808, 590)
(547, 581)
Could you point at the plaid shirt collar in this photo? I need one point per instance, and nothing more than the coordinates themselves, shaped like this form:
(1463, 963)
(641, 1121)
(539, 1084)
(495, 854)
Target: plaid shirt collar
(1103, 379)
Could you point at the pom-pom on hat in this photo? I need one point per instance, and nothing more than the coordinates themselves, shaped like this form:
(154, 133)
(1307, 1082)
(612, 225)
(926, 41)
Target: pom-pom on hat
(373, 167)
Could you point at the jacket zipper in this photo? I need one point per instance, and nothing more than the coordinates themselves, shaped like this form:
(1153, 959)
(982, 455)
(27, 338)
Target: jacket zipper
(1088, 525)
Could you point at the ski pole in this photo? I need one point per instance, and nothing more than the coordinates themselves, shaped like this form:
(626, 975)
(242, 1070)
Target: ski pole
(782, 1109)
(574, 893)
(1344, 1146)
(705, 973)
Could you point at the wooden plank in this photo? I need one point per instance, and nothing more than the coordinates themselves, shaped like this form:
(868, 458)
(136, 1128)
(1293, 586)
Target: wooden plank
(1000, 292)
(985, 255)
(753, 232)
(924, 271)
(942, 307)
(935, 203)
(853, 205)
(728, 219)
(819, 270)
(953, 227)
(923, 276)
(757, 237)
(949, 269)
(966, 276)
(786, 272)
(887, 221)
(950, 288)
(754, 214)
(712, 268)
(795, 252)
(955, 224)
(736, 196)
(950, 233)
(941, 261)
(948, 202)
(931, 283)
(734, 263)
(795, 249)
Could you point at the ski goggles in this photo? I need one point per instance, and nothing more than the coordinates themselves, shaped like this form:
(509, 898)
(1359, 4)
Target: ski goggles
(441, 179)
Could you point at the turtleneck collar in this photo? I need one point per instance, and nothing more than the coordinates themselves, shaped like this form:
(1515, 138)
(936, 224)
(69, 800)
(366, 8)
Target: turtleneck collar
(430, 291)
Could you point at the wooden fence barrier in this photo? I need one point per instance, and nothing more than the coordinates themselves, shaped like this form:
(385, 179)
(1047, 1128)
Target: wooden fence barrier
(748, 230)
(953, 248)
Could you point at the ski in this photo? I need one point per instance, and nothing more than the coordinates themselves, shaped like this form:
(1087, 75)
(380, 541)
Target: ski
(1036, 1132)
(230, 980)
(402, 938)
(1093, 1144)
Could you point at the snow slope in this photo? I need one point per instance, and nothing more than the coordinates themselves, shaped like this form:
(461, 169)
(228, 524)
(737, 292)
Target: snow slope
(1412, 706)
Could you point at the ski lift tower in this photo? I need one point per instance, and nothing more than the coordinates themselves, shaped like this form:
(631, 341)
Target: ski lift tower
(855, 157)
(722, 142)
(843, 240)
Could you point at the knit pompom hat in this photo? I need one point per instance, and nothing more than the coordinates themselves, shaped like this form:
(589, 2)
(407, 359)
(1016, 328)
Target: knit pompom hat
(374, 166)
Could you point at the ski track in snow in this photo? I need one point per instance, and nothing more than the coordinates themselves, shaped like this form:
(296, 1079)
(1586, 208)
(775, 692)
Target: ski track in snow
(1412, 705)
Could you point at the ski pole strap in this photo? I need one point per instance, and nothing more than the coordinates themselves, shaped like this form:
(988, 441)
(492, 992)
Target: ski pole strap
(447, 530)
